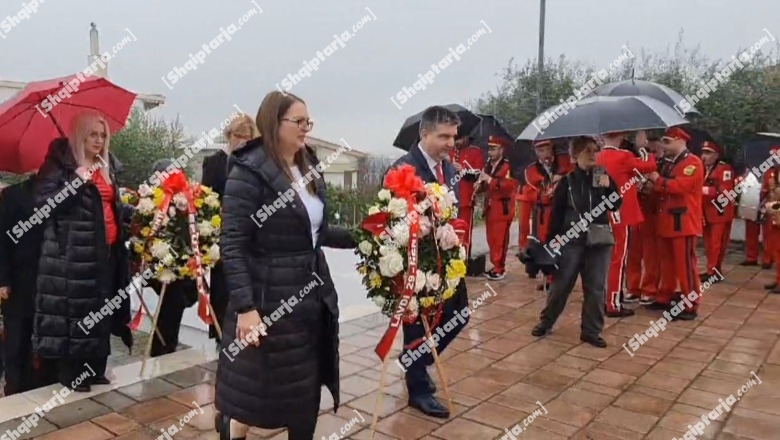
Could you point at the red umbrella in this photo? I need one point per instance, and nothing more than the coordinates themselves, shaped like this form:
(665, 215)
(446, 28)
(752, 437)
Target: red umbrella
(42, 111)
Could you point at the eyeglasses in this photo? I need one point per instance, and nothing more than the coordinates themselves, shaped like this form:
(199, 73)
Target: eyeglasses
(303, 123)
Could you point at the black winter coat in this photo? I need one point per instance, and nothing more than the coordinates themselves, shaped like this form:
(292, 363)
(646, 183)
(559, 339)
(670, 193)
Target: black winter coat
(277, 384)
(73, 271)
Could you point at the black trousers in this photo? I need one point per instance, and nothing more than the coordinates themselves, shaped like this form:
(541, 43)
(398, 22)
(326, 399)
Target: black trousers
(590, 263)
(416, 373)
(81, 370)
(179, 296)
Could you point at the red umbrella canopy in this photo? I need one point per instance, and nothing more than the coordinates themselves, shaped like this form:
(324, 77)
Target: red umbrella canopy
(43, 111)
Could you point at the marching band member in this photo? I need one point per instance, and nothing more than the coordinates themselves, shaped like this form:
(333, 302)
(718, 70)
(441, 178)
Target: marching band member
(541, 178)
(525, 201)
(679, 187)
(622, 166)
(752, 233)
(500, 188)
(770, 193)
(643, 246)
(718, 178)
(468, 160)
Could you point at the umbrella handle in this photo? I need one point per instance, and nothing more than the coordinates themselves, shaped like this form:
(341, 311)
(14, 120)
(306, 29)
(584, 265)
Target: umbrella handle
(57, 124)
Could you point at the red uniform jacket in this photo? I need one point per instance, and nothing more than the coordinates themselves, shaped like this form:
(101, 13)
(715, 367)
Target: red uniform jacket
(538, 181)
(771, 175)
(500, 193)
(679, 197)
(717, 180)
(470, 158)
(624, 168)
(648, 199)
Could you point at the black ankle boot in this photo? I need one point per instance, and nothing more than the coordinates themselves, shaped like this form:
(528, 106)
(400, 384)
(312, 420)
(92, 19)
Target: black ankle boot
(224, 428)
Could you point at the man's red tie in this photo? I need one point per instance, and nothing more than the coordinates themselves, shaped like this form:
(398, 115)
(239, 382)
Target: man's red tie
(439, 174)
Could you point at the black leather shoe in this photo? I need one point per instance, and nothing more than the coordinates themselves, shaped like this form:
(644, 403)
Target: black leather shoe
(749, 263)
(766, 266)
(776, 290)
(101, 380)
(595, 341)
(655, 305)
(540, 330)
(224, 428)
(622, 313)
(685, 316)
(429, 406)
(82, 388)
(770, 286)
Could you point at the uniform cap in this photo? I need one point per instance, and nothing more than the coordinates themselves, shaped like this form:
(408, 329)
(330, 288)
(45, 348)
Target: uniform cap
(711, 146)
(542, 143)
(677, 133)
(496, 141)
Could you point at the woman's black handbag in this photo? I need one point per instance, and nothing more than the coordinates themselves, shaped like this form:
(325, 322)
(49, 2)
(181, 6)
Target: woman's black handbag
(598, 234)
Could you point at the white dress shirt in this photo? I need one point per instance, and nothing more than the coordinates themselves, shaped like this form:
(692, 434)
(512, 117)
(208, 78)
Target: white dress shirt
(431, 162)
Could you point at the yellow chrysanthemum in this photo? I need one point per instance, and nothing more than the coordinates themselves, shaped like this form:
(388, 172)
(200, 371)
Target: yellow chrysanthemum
(198, 203)
(206, 190)
(448, 293)
(138, 248)
(362, 270)
(426, 301)
(374, 280)
(216, 221)
(157, 196)
(125, 198)
(456, 269)
(447, 213)
(206, 260)
(145, 231)
(184, 271)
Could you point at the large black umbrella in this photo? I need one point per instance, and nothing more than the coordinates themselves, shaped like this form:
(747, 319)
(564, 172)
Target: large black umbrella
(633, 87)
(602, 114)
(410, 131)
(755, 151)
(488, 126)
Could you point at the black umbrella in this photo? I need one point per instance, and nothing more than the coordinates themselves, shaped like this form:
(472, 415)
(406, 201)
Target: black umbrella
(602, 114)
(523, 155)
(488, 126)
(755, 151)
(410, 131)
(632, 87)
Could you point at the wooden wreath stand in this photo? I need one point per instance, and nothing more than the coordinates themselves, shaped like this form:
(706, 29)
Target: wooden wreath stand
(148, 351)
(439, 372)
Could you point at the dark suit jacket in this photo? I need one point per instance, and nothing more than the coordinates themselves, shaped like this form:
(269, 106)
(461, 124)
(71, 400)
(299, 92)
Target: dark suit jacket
(416, 159)
(215, 172)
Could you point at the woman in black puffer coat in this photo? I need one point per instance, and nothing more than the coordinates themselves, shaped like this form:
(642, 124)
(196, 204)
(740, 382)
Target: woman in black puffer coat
(271, 272)
(83, 260)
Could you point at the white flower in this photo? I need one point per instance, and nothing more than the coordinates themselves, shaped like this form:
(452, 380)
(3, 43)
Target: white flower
(145, 206)
(336, 215)
(451, 197)
(397, 207)
(391, 264)
(447, 237)
(401, 234)
(379, 301)
(432, 281)
(205, 229)
(144, 190)
(213, 252)
(211, 201)
(453, 282)
(166, 276)
(373, 210)
(365, 247)
(419, 281)
(462, 253)
(385, 195)
(171, 211)
(413, 306)
(180, 201)
(425, 226)
(386, 249)
(160, 249)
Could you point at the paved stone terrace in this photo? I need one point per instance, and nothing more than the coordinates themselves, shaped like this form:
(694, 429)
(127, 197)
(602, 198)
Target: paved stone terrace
(497, 372)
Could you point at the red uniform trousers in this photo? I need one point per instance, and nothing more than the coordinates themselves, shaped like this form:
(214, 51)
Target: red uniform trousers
(716, 239)
(752, 233)
(465, 213)
(775, 251)
(634, 260)
(498, 242)
(617, 266)
(678, 264)
(643, 267)
(770, 236)
(525, 222)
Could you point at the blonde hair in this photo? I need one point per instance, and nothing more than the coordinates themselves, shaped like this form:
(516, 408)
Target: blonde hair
(243, 125)
(79, 132)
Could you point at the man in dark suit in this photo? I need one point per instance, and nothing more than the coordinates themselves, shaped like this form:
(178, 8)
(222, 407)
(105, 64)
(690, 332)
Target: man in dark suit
(438, 129)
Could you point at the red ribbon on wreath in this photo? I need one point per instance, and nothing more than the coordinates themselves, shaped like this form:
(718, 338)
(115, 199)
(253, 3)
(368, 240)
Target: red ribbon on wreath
(176, 183)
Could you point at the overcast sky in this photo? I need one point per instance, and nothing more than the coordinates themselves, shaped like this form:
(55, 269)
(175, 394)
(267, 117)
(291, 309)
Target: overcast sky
(349, 96)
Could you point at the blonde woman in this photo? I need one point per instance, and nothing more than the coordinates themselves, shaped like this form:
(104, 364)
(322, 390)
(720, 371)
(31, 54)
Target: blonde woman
(215, 172)
(83, 262)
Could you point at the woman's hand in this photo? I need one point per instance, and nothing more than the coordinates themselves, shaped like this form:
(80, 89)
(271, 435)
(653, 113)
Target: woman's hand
(250, 327)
